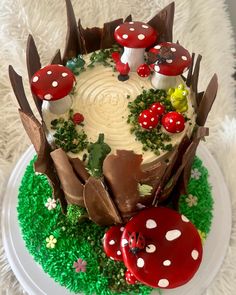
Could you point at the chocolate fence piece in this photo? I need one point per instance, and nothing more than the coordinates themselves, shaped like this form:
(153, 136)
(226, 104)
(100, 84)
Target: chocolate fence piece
(107, 38)
(195, 76)
(190, 72)
(57, 58)
(33, 65)
(79, 169)
(98, 203)
(128, 18)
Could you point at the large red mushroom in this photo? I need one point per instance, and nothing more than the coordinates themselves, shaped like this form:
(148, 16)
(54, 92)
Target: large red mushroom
(172, 252)
(170, 61)
(53, 84)
(134, 37)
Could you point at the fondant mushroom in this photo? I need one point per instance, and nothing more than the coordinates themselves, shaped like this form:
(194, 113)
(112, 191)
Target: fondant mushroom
(148, 119)
(134, 37)
(171, 60)
(173, 122)
(53, 84)
(111, 242)
(173, 249)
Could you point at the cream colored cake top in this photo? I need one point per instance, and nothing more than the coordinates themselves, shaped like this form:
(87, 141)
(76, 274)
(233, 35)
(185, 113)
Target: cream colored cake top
(102, 99)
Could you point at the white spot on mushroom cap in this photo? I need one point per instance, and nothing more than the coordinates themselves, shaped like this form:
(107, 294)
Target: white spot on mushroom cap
(48, 96)
(49, 72)
(167, 262)
(145, 26)
(132, 29)
(145, 123)
(125, 36)
(150, 223)
(173, 49)
(156, 68)
(122, 228)
(141, 36)
(195, 254)
(140, 262)
(184, 57)
(169, 61)
(64, 74)
(171, 120)
(118, 252)
(124, 242)
(131, 23)
(157, 47)
(184, 218)
(117, 28)
(35, 79)
(163, 283)
(150, 248)
(54, 84)
(112, 258)
(152, 119)
(173, 234)
(145, 116)
(112, 242)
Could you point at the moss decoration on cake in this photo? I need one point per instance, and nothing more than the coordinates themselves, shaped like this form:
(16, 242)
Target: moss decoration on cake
(76, 260)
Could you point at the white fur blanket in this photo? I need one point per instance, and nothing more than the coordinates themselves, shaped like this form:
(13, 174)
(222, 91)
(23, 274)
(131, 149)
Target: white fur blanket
(202, 26)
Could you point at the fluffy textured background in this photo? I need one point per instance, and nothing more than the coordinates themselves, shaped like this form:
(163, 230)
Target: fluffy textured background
(201, 26)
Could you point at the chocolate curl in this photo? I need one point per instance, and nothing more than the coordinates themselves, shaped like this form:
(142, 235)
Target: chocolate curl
(33, 65)
(98, 203)
(44, 163)
(70, 184)
(57, 58)
(79, 169)
(123, 174)
(18, 88)
(207, 101)
(73, 42)
(107, 36)
(162, 22)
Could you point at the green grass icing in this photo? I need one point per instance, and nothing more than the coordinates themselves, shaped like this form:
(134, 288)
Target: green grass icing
(83, 240)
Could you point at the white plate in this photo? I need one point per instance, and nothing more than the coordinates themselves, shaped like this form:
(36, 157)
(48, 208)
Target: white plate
(36, 282)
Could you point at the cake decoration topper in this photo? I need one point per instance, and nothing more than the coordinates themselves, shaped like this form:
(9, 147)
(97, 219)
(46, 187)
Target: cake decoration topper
(171, 60)
(178, 98)
(143, 70)
(52, 84)
(111, 242)
(148, 119)
(135, 37)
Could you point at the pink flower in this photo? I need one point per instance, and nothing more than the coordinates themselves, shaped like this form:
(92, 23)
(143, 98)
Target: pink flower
(80, 265)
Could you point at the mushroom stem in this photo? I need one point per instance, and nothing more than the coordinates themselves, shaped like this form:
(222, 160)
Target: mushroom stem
(134, 57)
(58, 107)
(160, 81)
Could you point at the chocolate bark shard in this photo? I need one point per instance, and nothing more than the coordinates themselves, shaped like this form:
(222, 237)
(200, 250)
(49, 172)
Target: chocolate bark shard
(207, 101)
(92, 38)
(57, 58)
(128, 18)
(44, 163)
(123, 174)
(81, 38)
(70, 183)
(162, 22)
(98, 203)
(18, 88)
(190, 72)
(33, 65)
(107, 36)
(73, 43)
(195, 76)
(79, 169)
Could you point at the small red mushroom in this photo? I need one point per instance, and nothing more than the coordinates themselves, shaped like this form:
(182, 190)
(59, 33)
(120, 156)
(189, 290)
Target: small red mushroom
(158, 108)
(130, 278)
(111, 242)
(52, 84)
(135, 37)
(173, 122)
(143, 70)
(171, 60)
(148, 119)
(173, 249)
(78, 118)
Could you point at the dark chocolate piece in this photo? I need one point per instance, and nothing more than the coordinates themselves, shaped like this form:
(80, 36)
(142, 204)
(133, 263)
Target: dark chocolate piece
(73, 42)
(207, 101)
(162, 22)
(18, 88)
(195, 76)
(128, 18)
(98, 203)
(79, 169)
(92, 38)
(190, 72)
(44, 163)
(107, 37)
(33, 65)
(70, 183)
(57, 58)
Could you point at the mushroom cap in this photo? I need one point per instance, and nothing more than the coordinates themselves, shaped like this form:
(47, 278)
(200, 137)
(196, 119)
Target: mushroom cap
(173, 122)
(111, 242)
(173, 250)
(148, 119)
(178, 62)
(135, 35)
(52, 82)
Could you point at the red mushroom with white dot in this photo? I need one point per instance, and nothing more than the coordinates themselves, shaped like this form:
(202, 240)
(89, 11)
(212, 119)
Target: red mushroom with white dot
(173, 250)
(135, 37)
(171, 61)
(148, 119)
(111, 242)
(173, 122)
(53, 84)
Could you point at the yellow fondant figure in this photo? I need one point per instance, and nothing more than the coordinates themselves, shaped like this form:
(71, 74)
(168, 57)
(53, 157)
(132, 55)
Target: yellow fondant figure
(178, 98)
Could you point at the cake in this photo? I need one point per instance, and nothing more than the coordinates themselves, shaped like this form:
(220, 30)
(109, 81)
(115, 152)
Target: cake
(116, 173)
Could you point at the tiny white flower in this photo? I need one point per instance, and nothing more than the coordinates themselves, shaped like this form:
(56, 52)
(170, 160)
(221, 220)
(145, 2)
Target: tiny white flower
(191, 200)
(195, 174)
(51, 204)
(51, 242)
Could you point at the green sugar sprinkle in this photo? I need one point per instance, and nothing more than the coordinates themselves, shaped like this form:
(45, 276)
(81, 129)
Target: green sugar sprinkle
(83, 239)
